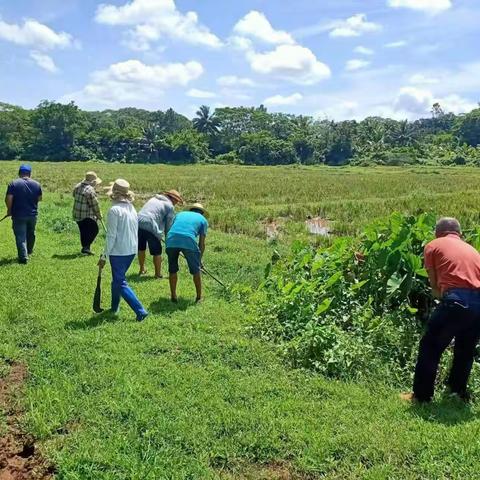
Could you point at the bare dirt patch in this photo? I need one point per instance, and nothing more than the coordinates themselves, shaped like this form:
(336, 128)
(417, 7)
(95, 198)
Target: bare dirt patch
(19, 458)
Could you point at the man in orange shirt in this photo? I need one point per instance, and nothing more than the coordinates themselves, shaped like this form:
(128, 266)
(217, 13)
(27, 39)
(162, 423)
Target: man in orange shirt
(454, 271)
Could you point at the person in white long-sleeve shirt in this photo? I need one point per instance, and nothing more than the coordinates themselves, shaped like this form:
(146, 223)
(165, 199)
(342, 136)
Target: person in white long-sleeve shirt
(121, 246)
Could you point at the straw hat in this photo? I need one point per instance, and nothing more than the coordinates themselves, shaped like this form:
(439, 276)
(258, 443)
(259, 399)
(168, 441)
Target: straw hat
(198, 206)
(92, 178)
(174, 195)
(120, 190)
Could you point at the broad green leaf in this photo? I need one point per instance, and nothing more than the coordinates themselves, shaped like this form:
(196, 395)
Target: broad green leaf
(324, 306)
(357, 286)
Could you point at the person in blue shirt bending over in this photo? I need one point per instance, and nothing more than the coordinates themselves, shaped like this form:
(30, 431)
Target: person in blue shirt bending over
(23, 195)
(182, 238)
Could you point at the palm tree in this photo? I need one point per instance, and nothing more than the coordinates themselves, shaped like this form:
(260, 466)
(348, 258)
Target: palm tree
(404, 134)
(152, 135)
(205, 122)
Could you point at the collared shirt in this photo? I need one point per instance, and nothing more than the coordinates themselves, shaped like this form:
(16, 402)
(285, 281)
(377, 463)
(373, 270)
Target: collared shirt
(26, 193)
(85, 203)
(185, 230)
(122, 230)
(157, 216)
(455, 262)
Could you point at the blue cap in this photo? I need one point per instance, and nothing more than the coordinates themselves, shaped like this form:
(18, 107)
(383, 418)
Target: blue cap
(25, 168)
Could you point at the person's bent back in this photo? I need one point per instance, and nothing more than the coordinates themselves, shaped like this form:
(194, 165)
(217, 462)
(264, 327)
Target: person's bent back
(23, 195)
(182, 239)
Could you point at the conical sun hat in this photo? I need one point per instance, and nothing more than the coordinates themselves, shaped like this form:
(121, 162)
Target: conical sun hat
(120, 190)
(175, 195)
(92, 178)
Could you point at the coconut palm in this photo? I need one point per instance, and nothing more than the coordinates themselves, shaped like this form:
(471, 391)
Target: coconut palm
(205, 122)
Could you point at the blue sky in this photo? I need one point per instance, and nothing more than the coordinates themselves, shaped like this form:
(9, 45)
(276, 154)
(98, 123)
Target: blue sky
(334, 59)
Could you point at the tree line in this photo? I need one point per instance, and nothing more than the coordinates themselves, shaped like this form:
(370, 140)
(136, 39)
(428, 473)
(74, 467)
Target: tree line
(240, 135)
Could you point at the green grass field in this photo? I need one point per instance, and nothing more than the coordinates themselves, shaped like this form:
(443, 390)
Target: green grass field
(189, 394)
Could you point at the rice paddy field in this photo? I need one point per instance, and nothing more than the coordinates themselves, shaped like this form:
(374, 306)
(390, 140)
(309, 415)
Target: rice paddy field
(190, 393)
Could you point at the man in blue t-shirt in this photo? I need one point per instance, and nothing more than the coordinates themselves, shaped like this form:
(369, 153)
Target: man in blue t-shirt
(23, 195)
(182, 238)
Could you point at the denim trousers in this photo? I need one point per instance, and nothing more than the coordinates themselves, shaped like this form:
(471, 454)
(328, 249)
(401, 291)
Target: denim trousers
(457, 317)
(120, 287)
(24, 231)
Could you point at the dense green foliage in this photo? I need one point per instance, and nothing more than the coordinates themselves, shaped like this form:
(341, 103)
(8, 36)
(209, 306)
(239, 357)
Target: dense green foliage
(354, 309)
(189, 394)
(253, 136)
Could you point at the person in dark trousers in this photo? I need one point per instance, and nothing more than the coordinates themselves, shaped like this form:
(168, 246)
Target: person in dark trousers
(23, 195)
(454, 271)
(86, 210)
(154, 222)
(182, 239)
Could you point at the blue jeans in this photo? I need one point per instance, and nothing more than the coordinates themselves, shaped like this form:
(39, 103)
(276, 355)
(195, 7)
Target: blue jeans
(457, 317)
(24, 231)
(120, 288)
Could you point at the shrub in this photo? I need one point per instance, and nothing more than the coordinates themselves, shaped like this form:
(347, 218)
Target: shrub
(353, 309)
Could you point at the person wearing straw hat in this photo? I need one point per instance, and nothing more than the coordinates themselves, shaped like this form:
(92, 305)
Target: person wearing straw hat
(86, 210)
(182, 239)
(154, 222)
(121, 246)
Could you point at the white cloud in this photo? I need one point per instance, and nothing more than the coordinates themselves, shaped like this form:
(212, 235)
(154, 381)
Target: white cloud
(413, 100)
(196, 93)
(280, 100)
(356, 64)
(398, 44)
(291, 62)
(417, 102)
(234, 81)
(44, 61)
(256, 25)
(133, 83)
(354, 26)
(154, 19)
(428, 6)
(34, 34)
(241, 43)
(421, 79)
(363, 50)
(341, 110)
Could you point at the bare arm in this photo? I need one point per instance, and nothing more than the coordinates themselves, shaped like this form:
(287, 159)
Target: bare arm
(9, 204)
(201, 244)
(432, 276)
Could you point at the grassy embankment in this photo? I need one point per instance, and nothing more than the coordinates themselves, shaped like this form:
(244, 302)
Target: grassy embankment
(188, 394)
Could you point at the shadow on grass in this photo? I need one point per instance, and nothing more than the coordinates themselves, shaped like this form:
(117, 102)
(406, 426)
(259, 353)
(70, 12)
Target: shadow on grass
(165, 306)
(69, 256)
(7, 261)
(92, 322)
(136, 278)
(447, 411)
